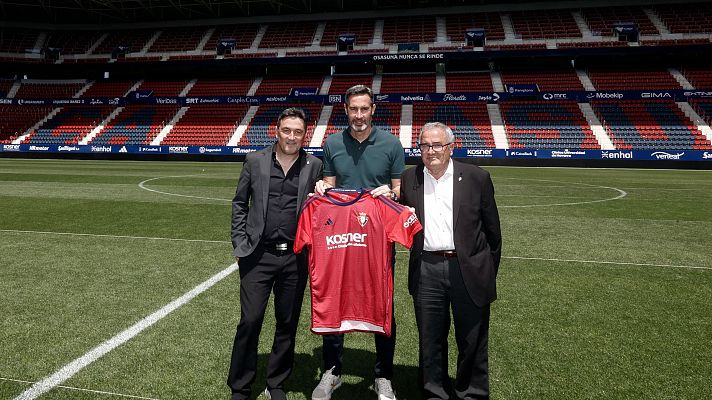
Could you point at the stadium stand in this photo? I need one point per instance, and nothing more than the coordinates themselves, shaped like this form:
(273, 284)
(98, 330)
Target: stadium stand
(281, 85)
(408, 83)
(177, 39)
(457, 24)
(700, 78)
(704, 109)
(17, 40)
(261, 131)
(70, 125)
(206, 124)
(164, 88)
(362, 29)
(340, 83)
(620, 79)
(601, 20)
(544, 24)
(547, 125)
(136, 125)
(244, 35)
(48, 90)
(135, 40)
(214, 87)
(108, 89)
(468, 82)
(16, 120)
(649, 125)
(72, 42)
(415, 29)
(469, 122)
(686, 18)
(550, 80)
(289, 34)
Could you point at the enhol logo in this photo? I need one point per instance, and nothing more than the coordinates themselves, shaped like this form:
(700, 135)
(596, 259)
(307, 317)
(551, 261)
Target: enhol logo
(618, 155)
(662, 155)
(101, 149)
(346, 239)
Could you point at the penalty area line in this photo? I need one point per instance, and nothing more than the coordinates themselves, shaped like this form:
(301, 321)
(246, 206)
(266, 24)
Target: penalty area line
(130, 396)
(99, 351)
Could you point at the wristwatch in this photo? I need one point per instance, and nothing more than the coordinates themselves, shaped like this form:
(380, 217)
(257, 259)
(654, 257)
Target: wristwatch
(393, 196)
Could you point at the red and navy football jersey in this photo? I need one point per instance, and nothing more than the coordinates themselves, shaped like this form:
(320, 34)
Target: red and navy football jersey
(350, 237)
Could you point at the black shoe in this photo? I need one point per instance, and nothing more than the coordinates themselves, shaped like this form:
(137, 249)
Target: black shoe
(275, 394)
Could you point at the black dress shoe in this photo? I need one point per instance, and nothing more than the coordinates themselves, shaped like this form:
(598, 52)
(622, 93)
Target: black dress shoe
(275, 394)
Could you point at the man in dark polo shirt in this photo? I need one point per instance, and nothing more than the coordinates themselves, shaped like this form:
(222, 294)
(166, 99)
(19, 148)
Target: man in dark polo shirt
(270, 192)
(362, 156)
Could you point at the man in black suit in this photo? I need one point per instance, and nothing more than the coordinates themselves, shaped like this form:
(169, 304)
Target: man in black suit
(270, 192)
(453, 263)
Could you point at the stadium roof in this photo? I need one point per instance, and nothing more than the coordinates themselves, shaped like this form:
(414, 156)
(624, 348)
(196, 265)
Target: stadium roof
(90, 12)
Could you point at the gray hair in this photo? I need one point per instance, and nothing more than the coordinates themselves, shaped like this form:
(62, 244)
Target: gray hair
(449, 136)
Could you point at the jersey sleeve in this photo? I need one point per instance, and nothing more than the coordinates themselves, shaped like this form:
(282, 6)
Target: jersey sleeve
(304, 226)
(401, 224)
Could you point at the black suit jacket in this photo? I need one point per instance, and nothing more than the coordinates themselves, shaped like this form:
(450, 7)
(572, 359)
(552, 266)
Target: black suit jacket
(477, 236)
(249, 206)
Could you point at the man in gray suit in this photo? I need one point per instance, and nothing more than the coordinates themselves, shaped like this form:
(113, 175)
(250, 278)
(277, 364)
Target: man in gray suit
(453, 264)
(270, 192)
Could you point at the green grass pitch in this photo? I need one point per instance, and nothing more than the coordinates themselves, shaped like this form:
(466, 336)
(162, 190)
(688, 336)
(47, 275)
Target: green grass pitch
(605, 288)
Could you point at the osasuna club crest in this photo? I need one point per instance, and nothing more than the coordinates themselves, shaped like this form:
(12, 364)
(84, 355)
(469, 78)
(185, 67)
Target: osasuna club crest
(362, 219)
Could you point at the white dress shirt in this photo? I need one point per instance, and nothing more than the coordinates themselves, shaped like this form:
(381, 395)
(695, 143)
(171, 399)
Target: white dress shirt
(438, 231)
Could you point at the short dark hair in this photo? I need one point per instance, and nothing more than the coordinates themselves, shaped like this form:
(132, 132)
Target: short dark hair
(292, 112)
(358, 90)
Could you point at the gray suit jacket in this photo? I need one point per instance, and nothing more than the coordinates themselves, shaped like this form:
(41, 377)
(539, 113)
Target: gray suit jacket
(478, 238)
(249, 206)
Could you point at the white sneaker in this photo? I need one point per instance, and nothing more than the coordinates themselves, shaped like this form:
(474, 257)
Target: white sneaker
(329, 382)
(383, 387)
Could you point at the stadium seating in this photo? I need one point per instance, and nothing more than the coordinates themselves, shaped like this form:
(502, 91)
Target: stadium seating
(601, 20)
(546, 125)
(408, 83)
(686, 18)
(700, 78)
(164, 88)
(649, 125)
(72, 42)
(136, 125)
(206, 124)
(289, 34)
(340, 83)
(544, 24)
(212, 87)
(17, 40)
(361, 28)
(468, 82)
(16, 120)
(5, 86)
(704, 109)
(134, 39)
(387, 117)
(281, 85)
(469, 122)
(48, 90)
(551, 80)
(261, 131)
(177, 39)
(108, 89)
(457, 24)
(244, 35)
(415, 29)
(70, 125)
(644, 79)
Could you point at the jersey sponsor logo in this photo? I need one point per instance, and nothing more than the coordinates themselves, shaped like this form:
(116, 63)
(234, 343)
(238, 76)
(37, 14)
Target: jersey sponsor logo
(362, 219)
(410, 221)
(343, 240)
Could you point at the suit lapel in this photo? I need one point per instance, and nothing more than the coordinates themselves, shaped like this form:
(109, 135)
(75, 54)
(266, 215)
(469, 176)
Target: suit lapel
(420, 193)
(265, 168)
(456, 192)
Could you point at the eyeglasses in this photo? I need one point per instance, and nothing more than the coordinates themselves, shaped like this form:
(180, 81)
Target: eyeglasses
(287, 131)
(424, 147)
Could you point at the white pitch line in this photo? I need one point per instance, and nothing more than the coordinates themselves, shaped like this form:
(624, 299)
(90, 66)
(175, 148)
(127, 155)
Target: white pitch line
(609, 262)
(143, 186)
(86, 390)
(78, 364)
(115, 236)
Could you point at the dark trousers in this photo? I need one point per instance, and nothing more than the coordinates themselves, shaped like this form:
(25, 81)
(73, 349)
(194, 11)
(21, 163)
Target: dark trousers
(261, 273)
(333, 346)
(440, 288)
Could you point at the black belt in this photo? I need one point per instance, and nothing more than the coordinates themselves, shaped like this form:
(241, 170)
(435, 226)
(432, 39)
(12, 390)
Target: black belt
(442, 253)
(278, 248)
